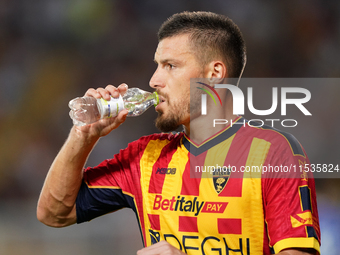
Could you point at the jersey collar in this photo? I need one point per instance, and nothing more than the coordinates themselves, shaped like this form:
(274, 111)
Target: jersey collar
(221, 136)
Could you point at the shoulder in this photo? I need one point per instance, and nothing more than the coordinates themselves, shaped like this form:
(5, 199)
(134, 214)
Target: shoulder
(157, 139)
(160, 137)
(276, 137)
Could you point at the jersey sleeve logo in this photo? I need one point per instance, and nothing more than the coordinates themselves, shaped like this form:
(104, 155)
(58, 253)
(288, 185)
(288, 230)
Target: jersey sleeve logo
(301, 219)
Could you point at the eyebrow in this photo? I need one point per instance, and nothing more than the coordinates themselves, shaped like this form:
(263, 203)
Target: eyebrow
(166, 60)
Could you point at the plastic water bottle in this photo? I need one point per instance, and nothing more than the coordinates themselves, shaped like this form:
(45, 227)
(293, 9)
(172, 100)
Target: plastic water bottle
(87, 110)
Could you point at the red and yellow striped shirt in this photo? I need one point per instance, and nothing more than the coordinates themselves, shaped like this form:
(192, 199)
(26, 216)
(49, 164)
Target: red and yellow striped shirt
(170, 184)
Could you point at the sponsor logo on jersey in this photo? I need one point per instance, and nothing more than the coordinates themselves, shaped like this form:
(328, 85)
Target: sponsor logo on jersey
(205, 245)
(155, 236)
(165, 170)
(184, 204)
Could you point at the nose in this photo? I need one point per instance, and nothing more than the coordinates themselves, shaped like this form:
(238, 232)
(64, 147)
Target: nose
(156, 80)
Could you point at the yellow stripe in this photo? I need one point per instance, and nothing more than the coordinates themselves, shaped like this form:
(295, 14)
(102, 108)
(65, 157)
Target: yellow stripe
(215, 155)
(172, 187)
(149, 158)
(253, 223)
(109, 187)
(273, 130)
(302, 242)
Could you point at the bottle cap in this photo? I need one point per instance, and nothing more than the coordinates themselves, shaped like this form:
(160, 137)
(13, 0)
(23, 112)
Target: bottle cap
(157, 98)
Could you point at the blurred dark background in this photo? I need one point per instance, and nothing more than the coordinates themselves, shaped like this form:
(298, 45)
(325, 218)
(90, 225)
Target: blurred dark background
(54, 50)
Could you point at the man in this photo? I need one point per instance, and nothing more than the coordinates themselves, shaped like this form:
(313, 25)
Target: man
(231, 214)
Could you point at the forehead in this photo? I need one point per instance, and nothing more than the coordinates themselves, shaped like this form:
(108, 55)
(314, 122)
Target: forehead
(174, 47)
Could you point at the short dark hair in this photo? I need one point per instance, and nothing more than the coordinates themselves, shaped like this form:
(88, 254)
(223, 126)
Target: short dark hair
(212, 35)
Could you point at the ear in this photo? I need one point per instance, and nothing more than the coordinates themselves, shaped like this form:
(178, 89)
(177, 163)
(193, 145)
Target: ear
(216, 71)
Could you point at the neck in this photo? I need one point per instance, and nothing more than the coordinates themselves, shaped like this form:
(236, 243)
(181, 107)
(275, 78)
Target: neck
(202, 127)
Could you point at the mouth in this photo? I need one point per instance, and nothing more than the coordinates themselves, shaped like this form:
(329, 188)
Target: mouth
(161, 101)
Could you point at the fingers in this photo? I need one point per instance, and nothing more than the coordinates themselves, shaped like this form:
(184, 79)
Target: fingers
(121, 89)
(105, 126)
(122, 116)
(107, 92)
(92, 93)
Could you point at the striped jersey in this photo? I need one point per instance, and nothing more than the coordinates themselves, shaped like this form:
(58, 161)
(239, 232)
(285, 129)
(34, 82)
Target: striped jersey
(243, 191)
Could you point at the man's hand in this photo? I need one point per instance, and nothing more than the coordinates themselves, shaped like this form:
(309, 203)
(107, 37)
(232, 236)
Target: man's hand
(105, 126)
(161, 248)
(56, 205)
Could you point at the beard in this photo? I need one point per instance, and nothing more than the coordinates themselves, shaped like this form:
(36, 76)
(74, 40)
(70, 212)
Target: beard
(191, 104)
(175, 115)
(167, 125)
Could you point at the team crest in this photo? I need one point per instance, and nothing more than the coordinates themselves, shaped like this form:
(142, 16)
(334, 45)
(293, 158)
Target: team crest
(220, 179)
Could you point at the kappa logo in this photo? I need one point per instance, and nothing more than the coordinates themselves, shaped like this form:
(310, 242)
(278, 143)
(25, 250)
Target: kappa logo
(165, 170)
(220, 179)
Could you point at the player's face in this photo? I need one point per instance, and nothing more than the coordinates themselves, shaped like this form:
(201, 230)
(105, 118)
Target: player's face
(176, 65)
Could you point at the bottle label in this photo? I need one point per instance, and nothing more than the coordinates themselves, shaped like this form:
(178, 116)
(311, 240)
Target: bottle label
(112, 107)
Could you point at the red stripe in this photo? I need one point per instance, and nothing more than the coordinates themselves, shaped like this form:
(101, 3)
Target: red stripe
(191, 180)
(229, 226)
(154, 221)
(236, 159)
(157, 179)
(187, 224)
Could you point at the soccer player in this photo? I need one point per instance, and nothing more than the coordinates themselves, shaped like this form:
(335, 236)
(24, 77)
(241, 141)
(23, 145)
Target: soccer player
(227, 213)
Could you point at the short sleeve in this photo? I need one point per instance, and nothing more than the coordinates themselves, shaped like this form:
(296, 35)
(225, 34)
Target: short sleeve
(109, 186)
(290, 202)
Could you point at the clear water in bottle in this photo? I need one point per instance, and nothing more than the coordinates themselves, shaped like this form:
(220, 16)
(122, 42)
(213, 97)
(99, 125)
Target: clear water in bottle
(137, 101)
(87, 110)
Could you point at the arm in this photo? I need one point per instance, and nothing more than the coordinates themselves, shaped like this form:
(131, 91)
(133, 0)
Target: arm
(290, 204)
(56, 205)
